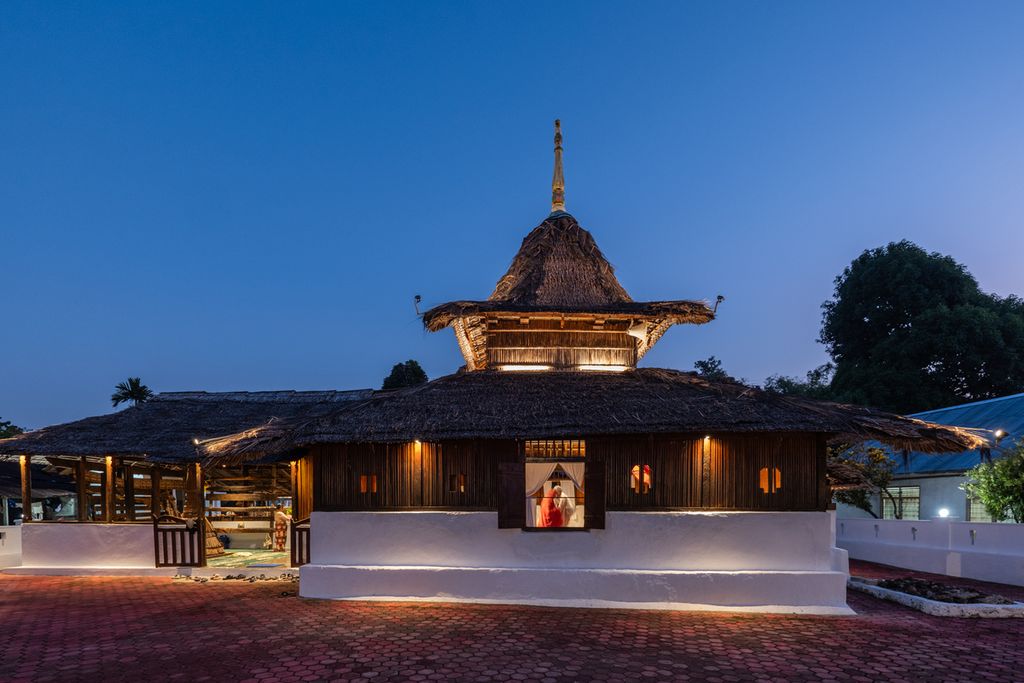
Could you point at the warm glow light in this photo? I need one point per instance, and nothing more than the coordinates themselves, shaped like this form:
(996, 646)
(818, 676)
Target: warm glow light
(524, 368)
(707, 438)
(604, 368)
(943, 512)
(417, 442)
(1000, 433)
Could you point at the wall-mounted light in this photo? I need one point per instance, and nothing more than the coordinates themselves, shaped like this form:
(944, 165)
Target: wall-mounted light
(943, 512)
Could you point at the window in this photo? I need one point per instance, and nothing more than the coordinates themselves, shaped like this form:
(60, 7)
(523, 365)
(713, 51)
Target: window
(640, 484)
(976, 512)
(901, 502)
(555, 484)
(368, 483)
(770, 479)
(556, 449)
(457, 483)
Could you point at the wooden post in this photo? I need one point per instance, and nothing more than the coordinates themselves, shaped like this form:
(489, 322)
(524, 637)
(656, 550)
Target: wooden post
(295, 488)
(201, 513)
(108, 489)
(129, 493)
(82, 490)
(26, 488)
(155, 494)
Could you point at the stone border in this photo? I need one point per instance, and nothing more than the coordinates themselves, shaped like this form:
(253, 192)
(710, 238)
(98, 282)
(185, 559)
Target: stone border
(936, 608)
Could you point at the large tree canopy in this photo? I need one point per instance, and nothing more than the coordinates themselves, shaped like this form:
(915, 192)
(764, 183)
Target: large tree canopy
(407, 374)
(909, 331)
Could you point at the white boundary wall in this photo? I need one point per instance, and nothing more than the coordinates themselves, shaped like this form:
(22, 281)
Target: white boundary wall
(10, 546)
(779, 561)
(975, 550)
(87, 545)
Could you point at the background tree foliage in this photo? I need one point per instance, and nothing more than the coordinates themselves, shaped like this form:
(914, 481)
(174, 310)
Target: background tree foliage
(132, 390)
(910, 330)
(8, 428)
(407, 374)
(818, 383)
(711, 368)
(999, 485)
(860, 475)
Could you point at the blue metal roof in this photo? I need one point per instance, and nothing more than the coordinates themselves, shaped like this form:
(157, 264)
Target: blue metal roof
(1005, 413)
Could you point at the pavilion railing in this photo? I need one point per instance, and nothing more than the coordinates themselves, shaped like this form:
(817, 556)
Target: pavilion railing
(178, 542)
(300, 542)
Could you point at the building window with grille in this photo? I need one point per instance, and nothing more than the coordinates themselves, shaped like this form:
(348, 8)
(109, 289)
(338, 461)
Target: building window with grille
(976, 512)
(901, 502)
(554, 483)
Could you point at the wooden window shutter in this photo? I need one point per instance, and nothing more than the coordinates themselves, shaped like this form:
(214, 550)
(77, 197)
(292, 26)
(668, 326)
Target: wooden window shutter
(511, 495)
(594, 494)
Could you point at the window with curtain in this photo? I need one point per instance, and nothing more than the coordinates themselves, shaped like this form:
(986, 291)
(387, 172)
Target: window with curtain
(555, 484)
(770, 479)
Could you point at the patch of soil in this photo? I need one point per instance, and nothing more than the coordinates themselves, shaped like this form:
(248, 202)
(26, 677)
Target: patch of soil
(943, 593)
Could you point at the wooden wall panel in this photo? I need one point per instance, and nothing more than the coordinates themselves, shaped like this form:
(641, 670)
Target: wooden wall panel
(409, 475)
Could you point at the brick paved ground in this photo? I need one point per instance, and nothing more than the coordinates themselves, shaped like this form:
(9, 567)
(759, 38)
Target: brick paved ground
(150, 629)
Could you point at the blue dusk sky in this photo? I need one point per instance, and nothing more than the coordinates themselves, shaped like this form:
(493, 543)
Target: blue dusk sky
(229, 196)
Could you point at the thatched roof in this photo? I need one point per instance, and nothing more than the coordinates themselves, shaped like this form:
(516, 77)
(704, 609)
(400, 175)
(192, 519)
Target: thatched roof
(164, 427)
(492, 404)
(559, 268)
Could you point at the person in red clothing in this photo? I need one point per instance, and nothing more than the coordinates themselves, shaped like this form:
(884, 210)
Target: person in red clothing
(550, 511)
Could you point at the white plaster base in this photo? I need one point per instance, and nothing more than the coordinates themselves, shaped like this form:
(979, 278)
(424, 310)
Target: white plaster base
(81, 546)
(91, 571)
(10, 546)
(804, 592)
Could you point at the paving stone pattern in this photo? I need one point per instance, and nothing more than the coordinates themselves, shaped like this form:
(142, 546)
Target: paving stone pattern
(155, 629)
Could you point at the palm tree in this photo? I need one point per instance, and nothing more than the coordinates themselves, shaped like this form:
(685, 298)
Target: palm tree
(133, 390)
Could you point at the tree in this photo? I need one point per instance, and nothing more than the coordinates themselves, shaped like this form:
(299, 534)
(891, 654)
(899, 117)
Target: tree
(909, 330)
(9, 429)
(818, 384)
(859, 475)
(407, 374)
(999, 485)
(711, 368)
(131, 390)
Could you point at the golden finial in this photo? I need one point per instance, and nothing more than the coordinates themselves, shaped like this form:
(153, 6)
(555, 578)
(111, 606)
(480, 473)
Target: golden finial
(558, 182)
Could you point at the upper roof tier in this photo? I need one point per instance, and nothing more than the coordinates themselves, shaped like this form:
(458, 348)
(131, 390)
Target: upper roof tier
(560, 275)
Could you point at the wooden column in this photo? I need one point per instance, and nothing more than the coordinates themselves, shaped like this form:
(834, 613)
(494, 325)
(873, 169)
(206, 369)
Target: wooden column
(26, 488)
(129, 493)
(108, 489)
(82, 490)
(295, 488)
(156, 501)
(201, 513)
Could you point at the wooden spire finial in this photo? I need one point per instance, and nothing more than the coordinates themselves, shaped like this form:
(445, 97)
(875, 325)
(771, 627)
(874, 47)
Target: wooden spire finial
(558, 182)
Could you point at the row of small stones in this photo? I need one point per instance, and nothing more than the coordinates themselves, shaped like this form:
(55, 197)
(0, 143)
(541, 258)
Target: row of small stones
(288, 576)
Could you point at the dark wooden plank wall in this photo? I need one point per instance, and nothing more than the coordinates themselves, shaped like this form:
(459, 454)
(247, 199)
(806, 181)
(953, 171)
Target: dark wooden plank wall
(417, 475)
(303, 486)
(408, 475)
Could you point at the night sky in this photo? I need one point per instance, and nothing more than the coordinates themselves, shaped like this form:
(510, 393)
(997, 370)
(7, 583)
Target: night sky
(229, 196)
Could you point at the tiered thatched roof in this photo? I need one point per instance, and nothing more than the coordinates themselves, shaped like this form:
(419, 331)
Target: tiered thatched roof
(493, 404)
(559, 270)
(165, 427)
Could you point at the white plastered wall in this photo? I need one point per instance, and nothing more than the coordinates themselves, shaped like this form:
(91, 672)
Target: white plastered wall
(976, 550)
(87, 545)
(10, 546)
(649, 559)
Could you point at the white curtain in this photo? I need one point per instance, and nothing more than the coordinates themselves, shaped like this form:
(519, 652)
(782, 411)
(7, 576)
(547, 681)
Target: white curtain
(575, 472)
(536, 474)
